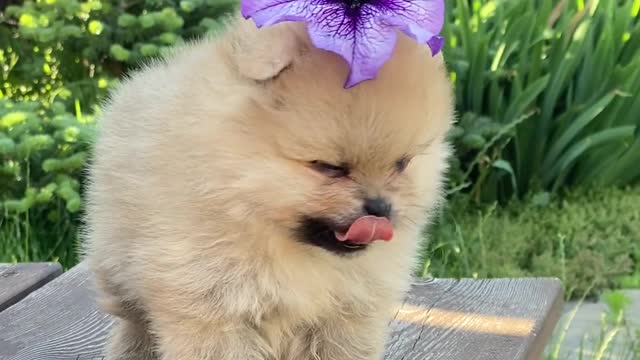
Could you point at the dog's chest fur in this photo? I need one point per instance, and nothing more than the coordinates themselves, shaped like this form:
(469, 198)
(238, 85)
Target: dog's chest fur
(295, 299)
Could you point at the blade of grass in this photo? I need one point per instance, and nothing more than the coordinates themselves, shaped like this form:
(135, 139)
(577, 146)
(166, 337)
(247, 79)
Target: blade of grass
(567, 324)
(559, 171)
(576, 126)
(526, 98)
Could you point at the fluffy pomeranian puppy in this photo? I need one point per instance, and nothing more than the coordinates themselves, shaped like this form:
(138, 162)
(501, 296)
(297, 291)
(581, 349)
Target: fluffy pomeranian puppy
(243, 205)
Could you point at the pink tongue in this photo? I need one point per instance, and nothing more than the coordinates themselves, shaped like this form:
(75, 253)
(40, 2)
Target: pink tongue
(367, 229)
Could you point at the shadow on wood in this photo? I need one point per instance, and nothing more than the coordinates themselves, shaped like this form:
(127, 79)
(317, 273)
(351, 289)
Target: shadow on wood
(18, 280)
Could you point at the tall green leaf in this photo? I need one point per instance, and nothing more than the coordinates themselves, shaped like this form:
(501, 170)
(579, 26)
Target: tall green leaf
(574, 129)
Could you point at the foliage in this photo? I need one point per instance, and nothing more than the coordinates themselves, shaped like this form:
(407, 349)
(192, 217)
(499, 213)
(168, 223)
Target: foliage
(42, 153)
(615, 338)
(546, 92)
(72, 49)
(590, 240)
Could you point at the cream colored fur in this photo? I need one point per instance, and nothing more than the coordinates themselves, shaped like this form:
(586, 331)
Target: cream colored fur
(201, 173)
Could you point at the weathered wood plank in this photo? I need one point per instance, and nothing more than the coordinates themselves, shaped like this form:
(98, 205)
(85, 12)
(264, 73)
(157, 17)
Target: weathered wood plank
(441, 319)
(60, 321)
(18, 280)
(476, 320)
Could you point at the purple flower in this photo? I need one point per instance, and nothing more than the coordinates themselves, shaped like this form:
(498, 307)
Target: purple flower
(363, 32)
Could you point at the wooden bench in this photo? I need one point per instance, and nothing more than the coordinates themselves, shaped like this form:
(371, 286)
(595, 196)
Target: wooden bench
(498, 319)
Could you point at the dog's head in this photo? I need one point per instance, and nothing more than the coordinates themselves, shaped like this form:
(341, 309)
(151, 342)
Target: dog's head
(332, 167)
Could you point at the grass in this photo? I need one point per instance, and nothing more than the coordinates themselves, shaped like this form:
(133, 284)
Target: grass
(588, 239)
(615, 339)
(23, 238)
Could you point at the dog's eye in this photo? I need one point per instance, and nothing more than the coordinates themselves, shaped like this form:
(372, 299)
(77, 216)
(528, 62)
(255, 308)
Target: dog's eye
(402, 163)
(330, 170)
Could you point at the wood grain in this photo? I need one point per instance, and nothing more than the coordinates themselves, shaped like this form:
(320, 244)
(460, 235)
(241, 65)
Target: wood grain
(476, 320)
(501, 319)
(60, 321)
(18, 280)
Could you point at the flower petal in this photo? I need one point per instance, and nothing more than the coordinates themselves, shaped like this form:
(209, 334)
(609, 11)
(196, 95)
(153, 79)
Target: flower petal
(435, 43)
(420, 19)
(365, 35)
(333, 31)
(364, 42)
(373, 47)
(270, 12)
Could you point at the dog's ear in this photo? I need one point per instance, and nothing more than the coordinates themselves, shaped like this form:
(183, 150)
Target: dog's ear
(262, 54)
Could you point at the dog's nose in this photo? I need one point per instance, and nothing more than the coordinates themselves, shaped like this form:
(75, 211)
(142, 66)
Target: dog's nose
(377, 207)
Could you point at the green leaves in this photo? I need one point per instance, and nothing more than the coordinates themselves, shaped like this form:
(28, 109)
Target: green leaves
(574, 128)
(572, 69)
(42, 152)
(12, 119)
(523, 101)
(560, 169)
(119, 52)
(83, 41)
(127, 20)
(95, 27)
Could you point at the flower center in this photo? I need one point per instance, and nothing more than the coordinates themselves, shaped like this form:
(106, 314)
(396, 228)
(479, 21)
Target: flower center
(353, 7)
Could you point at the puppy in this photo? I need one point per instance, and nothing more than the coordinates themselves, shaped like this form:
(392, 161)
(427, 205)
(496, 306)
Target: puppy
(243, 205)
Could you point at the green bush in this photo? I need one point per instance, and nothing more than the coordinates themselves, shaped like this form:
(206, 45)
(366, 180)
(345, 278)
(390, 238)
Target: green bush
(547, 94)
(590, 240)
(42, 154)
(71, 49)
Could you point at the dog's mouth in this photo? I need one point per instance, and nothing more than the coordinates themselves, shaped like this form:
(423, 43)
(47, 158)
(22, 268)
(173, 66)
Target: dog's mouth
(344, 238)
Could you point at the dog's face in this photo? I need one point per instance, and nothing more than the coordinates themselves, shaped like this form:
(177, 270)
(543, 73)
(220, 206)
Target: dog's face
(320, 157)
